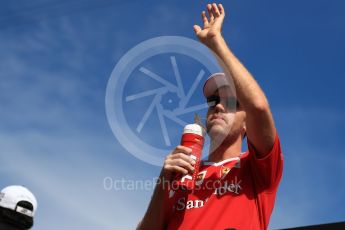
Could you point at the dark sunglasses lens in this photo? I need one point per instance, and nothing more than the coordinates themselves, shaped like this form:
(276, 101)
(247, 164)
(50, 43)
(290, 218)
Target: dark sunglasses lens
(213, 101)
(230, 102)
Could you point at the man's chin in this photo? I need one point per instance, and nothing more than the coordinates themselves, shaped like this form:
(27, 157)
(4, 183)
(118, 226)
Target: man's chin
(217, 131)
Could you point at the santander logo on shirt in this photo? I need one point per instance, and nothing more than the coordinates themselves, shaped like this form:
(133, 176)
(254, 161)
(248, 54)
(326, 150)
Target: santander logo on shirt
(204, 184)
(233, 186)
(182, 204)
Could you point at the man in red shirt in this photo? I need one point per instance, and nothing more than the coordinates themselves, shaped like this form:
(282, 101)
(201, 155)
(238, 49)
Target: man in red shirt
(234, 190)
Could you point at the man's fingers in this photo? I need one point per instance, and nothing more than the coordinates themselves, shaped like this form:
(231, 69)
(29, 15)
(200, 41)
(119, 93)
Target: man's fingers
(210, 13)
(176, 169)
(184, 157)
(215, 10)
(181, 163)
(221, 9)
(185, 164)
(182, 149)
(204, 18)
(179, 160)
(197, 29)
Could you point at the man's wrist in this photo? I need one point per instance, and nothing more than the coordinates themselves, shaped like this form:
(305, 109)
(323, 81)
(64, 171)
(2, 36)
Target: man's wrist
(215, 42)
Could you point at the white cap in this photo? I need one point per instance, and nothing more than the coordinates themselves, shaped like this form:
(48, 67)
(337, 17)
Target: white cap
(12, 195)
(214, 82)
(193, 128)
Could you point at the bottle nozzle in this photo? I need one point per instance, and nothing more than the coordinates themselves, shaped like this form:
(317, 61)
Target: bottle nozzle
(197, 120)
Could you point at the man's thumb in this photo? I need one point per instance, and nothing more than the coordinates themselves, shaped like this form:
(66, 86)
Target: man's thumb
(197, 29)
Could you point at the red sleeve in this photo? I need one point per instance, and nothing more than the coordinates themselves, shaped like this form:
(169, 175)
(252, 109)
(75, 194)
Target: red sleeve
(267, 170)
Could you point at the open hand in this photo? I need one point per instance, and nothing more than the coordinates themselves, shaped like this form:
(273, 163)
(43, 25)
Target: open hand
(212, 24)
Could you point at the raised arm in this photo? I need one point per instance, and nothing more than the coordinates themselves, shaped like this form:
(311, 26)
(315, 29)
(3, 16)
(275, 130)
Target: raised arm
(260, 127)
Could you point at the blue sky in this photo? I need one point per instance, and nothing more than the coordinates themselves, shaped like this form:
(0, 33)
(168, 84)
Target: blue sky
(55, 62)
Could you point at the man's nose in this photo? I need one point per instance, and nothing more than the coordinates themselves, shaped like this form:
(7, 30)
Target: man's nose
(219, 107)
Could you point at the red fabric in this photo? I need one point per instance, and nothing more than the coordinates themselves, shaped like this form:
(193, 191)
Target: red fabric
(236, 193)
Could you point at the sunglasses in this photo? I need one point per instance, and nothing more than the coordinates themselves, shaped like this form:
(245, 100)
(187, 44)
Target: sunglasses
(228, 102)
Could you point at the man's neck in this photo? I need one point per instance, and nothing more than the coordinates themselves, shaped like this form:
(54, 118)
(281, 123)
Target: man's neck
(228, 149)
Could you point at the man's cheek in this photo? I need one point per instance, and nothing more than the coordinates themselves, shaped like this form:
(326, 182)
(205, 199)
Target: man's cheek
(207, 126)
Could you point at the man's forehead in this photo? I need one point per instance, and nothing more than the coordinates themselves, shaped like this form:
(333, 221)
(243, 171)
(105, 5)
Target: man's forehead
(224, 91)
